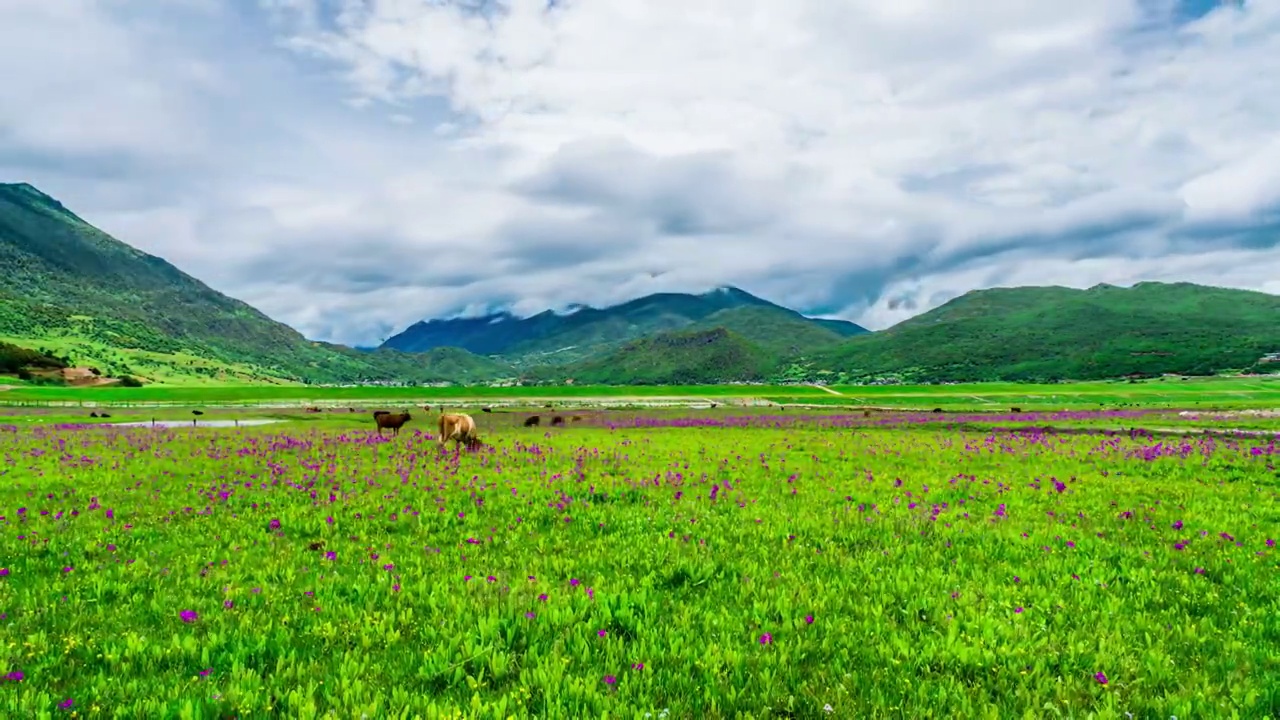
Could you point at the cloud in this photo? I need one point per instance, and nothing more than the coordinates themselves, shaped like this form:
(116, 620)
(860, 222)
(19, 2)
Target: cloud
(353, 166)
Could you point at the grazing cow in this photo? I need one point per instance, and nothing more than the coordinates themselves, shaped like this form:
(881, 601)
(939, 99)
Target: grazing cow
(386, 419)
(197, 412)
(576, 418)
(1015, 410)
(106, 415)
(557, 420)
(93, 414)
(488, 410)
(937, 410)
(459, 428)
(532, 421)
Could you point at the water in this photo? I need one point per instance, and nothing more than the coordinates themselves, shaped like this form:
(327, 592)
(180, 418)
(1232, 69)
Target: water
(199, 423)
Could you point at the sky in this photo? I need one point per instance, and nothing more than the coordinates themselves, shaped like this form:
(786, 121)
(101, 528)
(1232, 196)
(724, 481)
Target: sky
(352, 166)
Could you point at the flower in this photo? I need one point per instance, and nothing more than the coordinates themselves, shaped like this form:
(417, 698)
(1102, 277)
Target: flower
(228, 603)
(808, 619)
(1101, 677)
(15, 676)
(637, 666)
(602, 633)
(4, 572)
(1018, 609)
(66, 704)
(274, 524)
(610, 680)
(188, 616)
(766, 638)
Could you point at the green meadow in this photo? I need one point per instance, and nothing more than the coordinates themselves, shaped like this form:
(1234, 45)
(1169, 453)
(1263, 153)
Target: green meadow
(1196, 393)
(638, 566)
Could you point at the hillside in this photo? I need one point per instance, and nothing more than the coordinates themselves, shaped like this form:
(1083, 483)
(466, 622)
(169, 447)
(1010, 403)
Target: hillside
(69, 287)
(587, 332)
(683, 357)
(1055, 333)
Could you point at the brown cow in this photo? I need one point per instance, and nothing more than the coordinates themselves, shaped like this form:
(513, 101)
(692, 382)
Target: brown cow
(460, 428)
(532, 421)
(386, 419)
(557, 420)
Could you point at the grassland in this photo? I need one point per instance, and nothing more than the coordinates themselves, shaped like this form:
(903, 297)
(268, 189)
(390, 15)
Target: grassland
(1192, 394)
(715, 564)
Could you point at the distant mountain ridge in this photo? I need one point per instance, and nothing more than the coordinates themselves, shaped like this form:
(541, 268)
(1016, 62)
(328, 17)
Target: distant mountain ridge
(588, 331)
(72, 295)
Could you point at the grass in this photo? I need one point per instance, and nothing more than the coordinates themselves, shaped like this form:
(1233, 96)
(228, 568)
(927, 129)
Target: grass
(712, 571)
(1197, 394)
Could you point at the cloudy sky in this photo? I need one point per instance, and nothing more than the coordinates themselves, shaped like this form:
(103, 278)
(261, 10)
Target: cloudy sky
(351, 166)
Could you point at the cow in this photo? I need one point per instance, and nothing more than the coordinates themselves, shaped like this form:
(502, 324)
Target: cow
(576, 418)
(386, 419)
(459, 428)
(557, 420)
(532, 421)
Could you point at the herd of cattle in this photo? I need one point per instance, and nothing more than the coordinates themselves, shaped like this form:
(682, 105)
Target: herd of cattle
(458, 427)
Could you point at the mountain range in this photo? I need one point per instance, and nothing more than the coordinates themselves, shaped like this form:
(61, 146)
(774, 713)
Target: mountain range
(72, 296)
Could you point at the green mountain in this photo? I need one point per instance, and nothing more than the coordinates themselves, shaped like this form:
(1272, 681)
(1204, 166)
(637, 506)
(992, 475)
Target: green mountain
(586, 332)
(71, 288)
(682, 357)
(1056, 333)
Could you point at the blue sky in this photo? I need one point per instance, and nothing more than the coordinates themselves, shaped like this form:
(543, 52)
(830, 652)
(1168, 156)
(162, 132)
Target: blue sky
(352, 166)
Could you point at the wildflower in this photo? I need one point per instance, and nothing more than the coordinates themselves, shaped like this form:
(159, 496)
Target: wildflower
(637, 666)
(15, 676)
(766, 638)
(66, 704)
(205, 672)
(1018, 610)
(331, 555)
(4, 572)
(808, 619)
(228, 604)
(274, 524)
(542, 597)
(1101, 677)
(610, 680)
(531, 615)
(602, 633)
(188, 616)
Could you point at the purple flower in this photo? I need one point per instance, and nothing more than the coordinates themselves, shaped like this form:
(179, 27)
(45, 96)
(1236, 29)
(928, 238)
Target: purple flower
(228, 604)
(531, 615)
(610, 680)
(66, 704)
(331, 555)
(274, 524)
(637, 666)
(602, 633)
(808, 619)
(1176, 526)
(4, 572)
(188, 616)
(766, 638)
(1271, 542)
(15, 676)
(1018, 610)
(1101, 677)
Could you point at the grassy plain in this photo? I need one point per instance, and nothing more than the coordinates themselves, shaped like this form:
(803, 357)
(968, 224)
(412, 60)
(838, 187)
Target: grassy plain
(715, 564)
(1200, 393)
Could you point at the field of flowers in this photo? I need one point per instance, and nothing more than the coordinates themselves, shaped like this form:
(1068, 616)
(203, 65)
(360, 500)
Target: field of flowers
(767, 567)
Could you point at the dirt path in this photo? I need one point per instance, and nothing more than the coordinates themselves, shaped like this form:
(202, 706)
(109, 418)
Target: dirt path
(826, 389)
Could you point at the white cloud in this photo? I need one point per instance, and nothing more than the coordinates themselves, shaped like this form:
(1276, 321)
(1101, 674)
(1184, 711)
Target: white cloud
(353, 172)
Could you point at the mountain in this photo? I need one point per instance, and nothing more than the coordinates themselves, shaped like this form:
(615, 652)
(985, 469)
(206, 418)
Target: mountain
(586, 332)
(682, 357)
(1056, 333)
(71, 288)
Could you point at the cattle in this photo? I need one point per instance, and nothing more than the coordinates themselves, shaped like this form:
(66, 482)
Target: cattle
(488, 410)
(576, 418)
(937, 410)
(386, 419)
(106, 415)
(532, 421)
(459, 428)
(557, 420)
(93, 414)
(313, 409)
(1015, 410)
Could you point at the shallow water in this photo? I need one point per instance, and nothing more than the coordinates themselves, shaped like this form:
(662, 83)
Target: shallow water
(199, 423)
